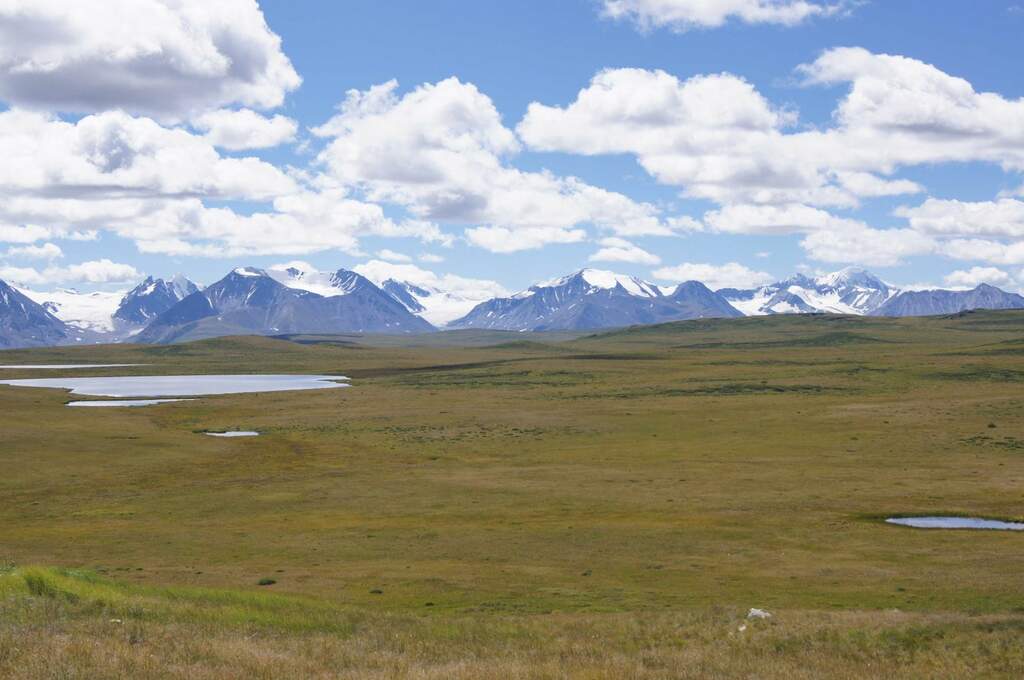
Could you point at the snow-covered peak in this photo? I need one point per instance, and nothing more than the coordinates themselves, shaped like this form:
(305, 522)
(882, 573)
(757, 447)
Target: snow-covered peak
(304, 276)
(248, 272)
(606, 280)
(851, 277)
(852, 290)
(183, 285)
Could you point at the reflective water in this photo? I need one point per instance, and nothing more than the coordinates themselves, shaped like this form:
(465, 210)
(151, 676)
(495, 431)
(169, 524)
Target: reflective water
(183, 385)
(62, 367)
(239, 433)
(122, 403)
(956, 523)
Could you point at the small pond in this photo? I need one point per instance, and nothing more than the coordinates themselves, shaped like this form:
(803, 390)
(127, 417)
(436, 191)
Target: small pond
(956, 523)
(235, 433)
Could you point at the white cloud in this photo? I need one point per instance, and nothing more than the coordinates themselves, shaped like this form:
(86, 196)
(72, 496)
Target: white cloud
(716, 137)
(245, 129)
(974, 276)
(984, 250)
(866, 246)
(505, 240)
(615, 249)
(165, 58)
(440, 151)
(114, 155)
(300, 223)
(152, 184)
(682, 15)
(46, 251)
(730, 275)
(430, 258)
(900, 111)
(777, 219)
(1002, 218)
(93, 272)
(392, 256)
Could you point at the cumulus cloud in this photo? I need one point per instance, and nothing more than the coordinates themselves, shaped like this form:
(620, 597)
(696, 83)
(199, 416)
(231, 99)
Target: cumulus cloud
(93, 272)
(975, 276)
(682, 15)
(1002, 218)
(984, 250)
(730, 275)
(716, 137)
(245, 129)
(392, 256)
(615, 249)
(867, 246)
(441, 152)
(777, 219)
(164, 58)
(505, 240)
(154, 185)
(46, 251)
(299, 224)
(115, 155)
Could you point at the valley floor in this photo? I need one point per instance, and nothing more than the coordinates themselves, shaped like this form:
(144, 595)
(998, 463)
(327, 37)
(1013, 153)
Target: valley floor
(606, 506)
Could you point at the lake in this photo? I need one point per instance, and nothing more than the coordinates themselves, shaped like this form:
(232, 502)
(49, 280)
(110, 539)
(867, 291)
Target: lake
(182, 385)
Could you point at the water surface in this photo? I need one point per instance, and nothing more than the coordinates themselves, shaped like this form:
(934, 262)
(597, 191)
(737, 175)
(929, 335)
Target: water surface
(63, 367)
(956, 523)
(235, 433)
(182, 385)
(126, 403)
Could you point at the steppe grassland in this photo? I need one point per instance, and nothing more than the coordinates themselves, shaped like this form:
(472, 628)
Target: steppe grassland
(605, 506)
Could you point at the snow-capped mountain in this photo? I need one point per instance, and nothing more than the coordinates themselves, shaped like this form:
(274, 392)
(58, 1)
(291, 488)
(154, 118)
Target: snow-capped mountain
(848, 291)
(438, 299)
(929, 302)
(438, 306)
(89, 312)
(591, 299)
(26, 323)
(255, 301)
(102, 316)
(150, 299)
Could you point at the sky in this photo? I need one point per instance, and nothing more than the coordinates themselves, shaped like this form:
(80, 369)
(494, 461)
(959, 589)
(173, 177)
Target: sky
(489, 145)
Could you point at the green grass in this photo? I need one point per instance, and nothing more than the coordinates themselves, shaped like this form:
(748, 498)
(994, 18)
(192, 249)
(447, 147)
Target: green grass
(625, 486)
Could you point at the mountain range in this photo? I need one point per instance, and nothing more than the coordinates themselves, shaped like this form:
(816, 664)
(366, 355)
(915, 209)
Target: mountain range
(250, 301)
(590, 299)
(294, 299)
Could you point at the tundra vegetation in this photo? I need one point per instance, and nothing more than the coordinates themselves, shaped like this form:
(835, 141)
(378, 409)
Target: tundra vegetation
(521, 505)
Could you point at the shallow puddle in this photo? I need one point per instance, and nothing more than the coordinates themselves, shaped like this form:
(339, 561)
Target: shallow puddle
(956, 523)
(238, 433)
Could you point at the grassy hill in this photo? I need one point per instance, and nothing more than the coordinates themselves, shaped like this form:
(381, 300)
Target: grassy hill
(603, 506)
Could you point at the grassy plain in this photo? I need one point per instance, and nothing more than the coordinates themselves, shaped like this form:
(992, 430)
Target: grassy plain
(529, 506)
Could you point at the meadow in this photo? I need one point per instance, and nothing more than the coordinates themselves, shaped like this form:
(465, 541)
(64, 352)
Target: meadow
(527, 505)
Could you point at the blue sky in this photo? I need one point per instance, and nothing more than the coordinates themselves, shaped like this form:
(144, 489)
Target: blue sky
(513, 54)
